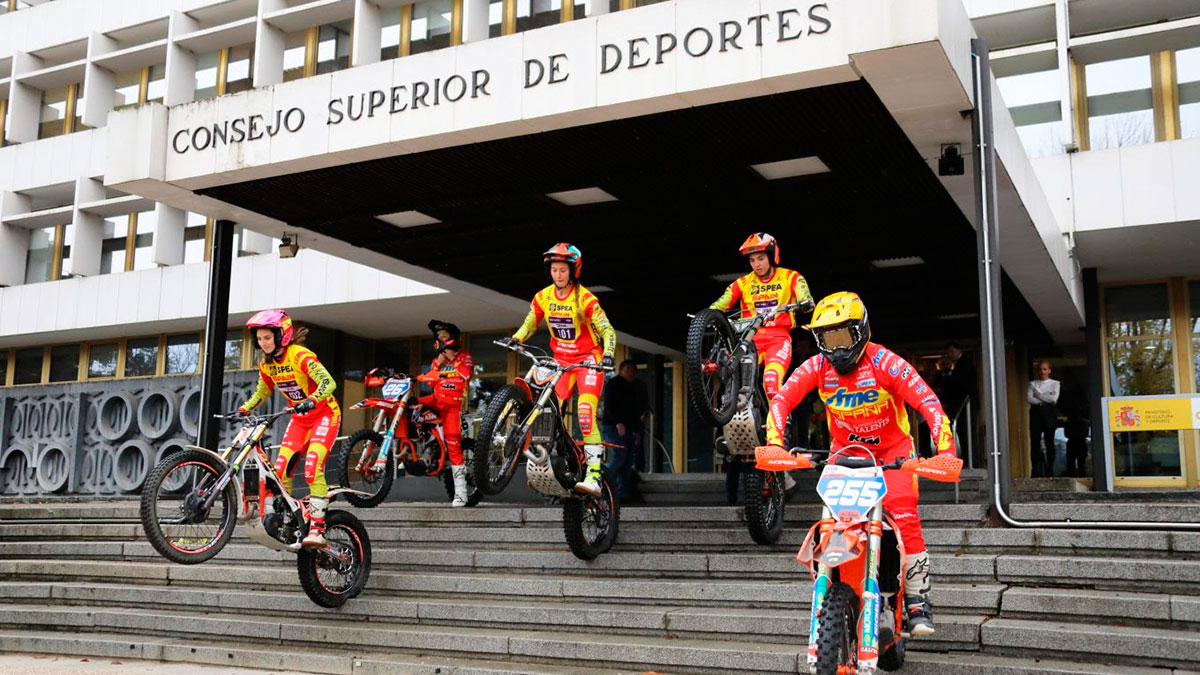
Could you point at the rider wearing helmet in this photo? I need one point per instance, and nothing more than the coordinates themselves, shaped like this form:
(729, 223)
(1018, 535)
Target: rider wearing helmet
(579, 333)
(768, 286)
(864, 387)
(308, 387)
(450, 376)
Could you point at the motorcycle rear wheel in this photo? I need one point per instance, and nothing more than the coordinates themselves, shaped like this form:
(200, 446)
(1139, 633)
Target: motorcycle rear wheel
(764, 505)
(345, 463)
(333, 575)
(713, 380)
(590, 523)
(837, 637)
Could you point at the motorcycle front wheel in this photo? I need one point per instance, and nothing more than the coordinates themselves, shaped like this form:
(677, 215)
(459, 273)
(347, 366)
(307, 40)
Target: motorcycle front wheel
(332, 575)
(713, 379)
(173, 512)
(837, 636)
(500, 442)
(363, 448)
(764, 505)
(590, 523)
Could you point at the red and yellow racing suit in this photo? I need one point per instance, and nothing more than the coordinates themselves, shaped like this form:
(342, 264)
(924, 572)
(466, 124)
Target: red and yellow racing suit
(450, 381)
(773, 341)
(579, 333)
(299, 376)
(866, 407)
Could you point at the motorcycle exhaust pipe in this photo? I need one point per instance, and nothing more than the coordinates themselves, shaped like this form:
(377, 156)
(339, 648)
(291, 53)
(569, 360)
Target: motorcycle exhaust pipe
(538, 454)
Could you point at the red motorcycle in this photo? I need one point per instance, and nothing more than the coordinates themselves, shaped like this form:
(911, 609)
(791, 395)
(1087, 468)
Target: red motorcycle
(855, 558)
(405, 437)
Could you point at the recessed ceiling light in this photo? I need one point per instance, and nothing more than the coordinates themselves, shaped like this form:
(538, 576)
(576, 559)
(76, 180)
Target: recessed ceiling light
(906, 261)
(408, 219)
(790, 168)
(952, 317)
(726, 278)
(592, 195)
(600, 289)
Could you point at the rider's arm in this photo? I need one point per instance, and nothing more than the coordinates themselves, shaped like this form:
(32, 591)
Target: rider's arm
(261, 393)
(317, 373)
(803, 380)
(803, 296)
(600, 323)
(464, 367)
(729, 298)
(532, 321)
(913, 390)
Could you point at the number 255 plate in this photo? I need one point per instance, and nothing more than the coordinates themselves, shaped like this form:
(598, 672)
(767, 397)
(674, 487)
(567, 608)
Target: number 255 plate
(851, 491)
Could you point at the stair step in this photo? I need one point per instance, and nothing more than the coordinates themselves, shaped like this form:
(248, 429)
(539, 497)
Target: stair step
(1108, 642)
(1175, 512)
(1150, 609)
(1101, 573)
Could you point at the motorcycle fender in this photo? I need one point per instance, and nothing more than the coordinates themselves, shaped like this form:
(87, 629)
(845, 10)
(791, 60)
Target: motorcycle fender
(807, 550)
(520, 382)
(381, 403)
(332, 494)
(839, 548)
(239, 498)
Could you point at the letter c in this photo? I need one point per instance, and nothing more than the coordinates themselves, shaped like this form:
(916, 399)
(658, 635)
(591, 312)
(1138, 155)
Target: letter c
(182, 133)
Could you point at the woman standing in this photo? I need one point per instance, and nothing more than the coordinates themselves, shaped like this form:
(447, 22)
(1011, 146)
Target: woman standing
(1042, 395)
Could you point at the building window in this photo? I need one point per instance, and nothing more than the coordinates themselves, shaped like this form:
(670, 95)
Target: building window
(102, 360)
(239, 73)
(431, 21)
(206, 75)
(195, 238)
(615, 5)
(156, 84)
(54, 112)
(537, 13)
(141, 357)
(491, 368)
(64, 235)
(496, 18)
(294, 55)
(1187, 69)
(3, 366)
(183, 354)
(28, 366)
(233, 350)
(1034, 100)
(114, 245)
(39, 260)
(64, 363)
(143, 248)
(389, 35)
(333, 47)
(128, 89)
(1120, 103)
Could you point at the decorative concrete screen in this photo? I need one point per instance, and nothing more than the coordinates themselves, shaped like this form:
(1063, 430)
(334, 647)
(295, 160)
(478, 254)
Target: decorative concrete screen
(102, 438)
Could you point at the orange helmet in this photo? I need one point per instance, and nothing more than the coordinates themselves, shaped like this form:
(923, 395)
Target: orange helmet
(565, 253)
(761, 242)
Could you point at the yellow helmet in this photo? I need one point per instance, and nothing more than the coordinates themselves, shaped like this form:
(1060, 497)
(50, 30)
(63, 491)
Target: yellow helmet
(839, 324)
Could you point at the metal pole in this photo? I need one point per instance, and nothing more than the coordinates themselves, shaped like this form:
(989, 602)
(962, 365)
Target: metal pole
(994, 385)
(216, 321)
(991, 313)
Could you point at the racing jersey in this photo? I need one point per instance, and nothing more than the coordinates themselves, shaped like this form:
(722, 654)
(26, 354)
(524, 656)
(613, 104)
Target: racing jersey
(298, 375)
(451, 380)
(866, 406)
(578, 326)
(756, 296)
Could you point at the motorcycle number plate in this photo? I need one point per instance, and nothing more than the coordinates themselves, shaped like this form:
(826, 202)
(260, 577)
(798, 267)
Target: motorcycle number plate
(851, 492)
(394, 389)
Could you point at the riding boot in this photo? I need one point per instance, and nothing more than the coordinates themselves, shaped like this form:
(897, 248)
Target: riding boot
(916, 595)
(591, 481)
(459, 472)
(316, 523)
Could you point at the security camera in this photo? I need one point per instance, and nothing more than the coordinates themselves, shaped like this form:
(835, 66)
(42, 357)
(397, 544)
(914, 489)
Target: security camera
(951, 162)
(288, 246)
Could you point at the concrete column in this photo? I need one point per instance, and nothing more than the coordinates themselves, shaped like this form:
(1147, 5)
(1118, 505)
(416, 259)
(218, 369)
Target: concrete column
(365, 41)
(268, 46)
(1062, 16)
(475, 20)
(596, 7)
(24, 101)
(181, 63)
(99, 84)
(168, 236)
(89, 229)
(14, 241)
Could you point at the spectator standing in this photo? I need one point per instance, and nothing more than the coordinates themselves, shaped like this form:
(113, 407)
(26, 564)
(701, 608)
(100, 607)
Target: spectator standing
(625, 405)
(1042, 395)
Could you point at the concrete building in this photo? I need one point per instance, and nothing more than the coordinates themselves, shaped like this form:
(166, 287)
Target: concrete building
(423, 154)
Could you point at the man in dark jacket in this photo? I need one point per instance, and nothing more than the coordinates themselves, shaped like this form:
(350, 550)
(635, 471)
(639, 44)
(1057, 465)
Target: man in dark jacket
(625, 403)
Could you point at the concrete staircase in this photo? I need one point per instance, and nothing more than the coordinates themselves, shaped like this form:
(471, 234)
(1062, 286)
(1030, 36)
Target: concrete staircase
(494, 590)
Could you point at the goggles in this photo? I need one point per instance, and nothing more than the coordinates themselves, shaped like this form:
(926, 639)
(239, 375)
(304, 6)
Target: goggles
(837, 337)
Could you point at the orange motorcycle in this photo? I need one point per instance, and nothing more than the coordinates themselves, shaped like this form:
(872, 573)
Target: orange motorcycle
(855, 558)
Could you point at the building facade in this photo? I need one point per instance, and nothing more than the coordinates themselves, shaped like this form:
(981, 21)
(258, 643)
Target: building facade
(392, 141)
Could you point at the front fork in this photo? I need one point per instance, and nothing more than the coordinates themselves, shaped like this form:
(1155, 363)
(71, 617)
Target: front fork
(868, 625)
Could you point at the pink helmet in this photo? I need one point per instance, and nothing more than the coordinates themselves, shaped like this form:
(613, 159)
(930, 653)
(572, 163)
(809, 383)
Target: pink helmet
(278, 321)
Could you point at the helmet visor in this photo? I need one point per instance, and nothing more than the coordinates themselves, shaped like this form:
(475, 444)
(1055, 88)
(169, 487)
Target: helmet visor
(838, 337)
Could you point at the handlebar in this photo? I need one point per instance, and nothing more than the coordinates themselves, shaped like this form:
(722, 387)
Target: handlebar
(548, 360)
(252, 419)
(944, 468)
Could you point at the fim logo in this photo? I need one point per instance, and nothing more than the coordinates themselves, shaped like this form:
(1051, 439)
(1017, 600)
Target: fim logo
(1126, 417)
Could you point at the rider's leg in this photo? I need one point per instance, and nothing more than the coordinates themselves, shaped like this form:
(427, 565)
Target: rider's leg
(775, 352)
(451, 414)
(901, 502)
(590, 384)
(323, 437)
(295, 437)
